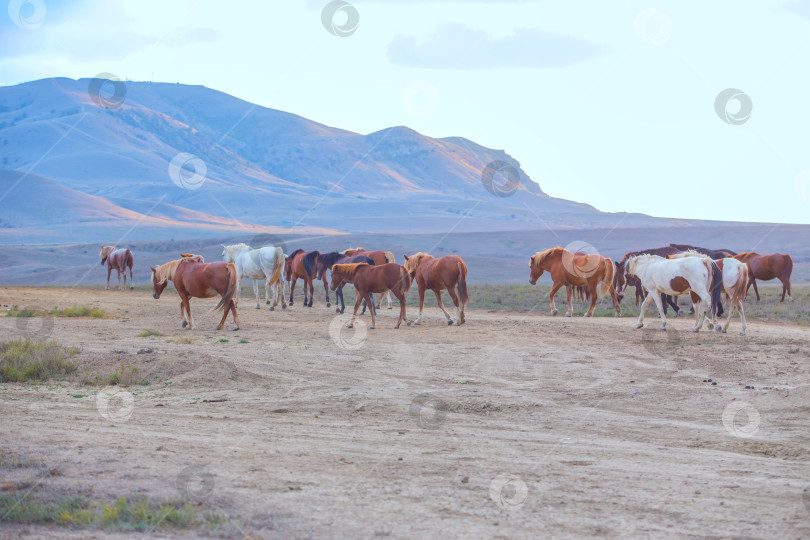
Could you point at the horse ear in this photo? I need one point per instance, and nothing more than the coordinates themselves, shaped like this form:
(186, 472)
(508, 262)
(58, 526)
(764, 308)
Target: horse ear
(152, 268)
(406, 257)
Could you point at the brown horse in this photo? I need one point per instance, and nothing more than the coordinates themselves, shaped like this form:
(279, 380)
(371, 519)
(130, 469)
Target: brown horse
(448, 272)
(379, 258)
(766, 267)
(194, 279)
(578, 270)
(301, 264)
(369, 279)
(120, 259)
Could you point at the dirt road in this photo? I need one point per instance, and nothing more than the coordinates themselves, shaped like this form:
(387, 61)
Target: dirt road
(515, 425)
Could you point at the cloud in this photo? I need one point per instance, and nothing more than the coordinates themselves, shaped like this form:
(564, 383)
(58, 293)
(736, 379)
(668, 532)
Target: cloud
(185, 35)
(801, 8)
(458, 47)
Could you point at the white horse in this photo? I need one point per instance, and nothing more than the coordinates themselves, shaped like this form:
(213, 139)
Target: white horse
(674, 277)
(265, 263)
(735, 285)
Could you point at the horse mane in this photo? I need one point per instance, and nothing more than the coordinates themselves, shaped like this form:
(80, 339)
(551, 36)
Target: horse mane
(689, 253)
(352, 249)
(713, 253)
(540, 256)
(192, 257)
(389, 257)
(661, 252)
(294, 253)
(349, 269)
(326, 260)
(166, 271)
(363, 259)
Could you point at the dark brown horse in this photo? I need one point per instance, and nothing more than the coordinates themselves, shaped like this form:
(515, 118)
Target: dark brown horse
(301, 264)
(369, 279)
(766, 267)
(379, 257)
(448, 272)
(577, 270)
(194, 279)
(120, 259)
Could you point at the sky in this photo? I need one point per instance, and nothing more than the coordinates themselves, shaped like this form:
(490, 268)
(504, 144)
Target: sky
(691, 109)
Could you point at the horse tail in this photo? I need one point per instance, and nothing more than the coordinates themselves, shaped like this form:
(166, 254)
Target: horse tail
(607, 279)
(788, 265)
(715, 282)
(129, 259)
(404, 280)
(462, 283)
(309, 262)
(741, 286)
(278, 266)
(389, 257)
(231, 290)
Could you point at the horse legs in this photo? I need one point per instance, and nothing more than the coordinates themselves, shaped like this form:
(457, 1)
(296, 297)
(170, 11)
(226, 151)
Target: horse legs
(370, 309)
(402, 316)
(754, 283)
(232, 308)
(388, 297)
(554, 288)
(339, 296)
(569, 293)
(646, 301)
(184, 302)
(109, 271)
(256, 292)
(293, 279)
(594, 294)
(704, 304)
(421, 291)
(785, 289)
(311, 291)
(357, 301)
(454, 298)
(183, 320)
(441, 306)
(326, 289)
(267, 288)
(131, 282)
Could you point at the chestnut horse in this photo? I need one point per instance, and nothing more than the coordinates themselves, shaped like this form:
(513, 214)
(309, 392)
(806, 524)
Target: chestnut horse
(369, 279)
(379, 257)
(120, 259)
(448, 272)
(194, 279)
(575, 270)
(325, 263)
(301, 264)
(766, 267)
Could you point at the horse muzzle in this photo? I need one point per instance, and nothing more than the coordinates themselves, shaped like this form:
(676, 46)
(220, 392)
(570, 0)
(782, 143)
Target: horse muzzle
(532, 282)
(156, 296)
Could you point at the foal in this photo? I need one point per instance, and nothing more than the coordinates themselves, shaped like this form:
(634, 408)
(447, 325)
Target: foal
(373, 279)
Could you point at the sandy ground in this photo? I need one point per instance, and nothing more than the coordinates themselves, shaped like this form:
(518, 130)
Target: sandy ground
(515, 425)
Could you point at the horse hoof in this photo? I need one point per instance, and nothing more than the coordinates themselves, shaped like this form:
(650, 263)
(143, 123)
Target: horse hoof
(235, 328)
(337, 310)
(328, 304)
(695, 330)
(284, 306)
(271, 308)
(267, 301)
(450, 322)
(742, 332)
(131, 288)
(185, 324)
(639, 325)
(663, 328)
(371, 328)
(350, 325)
(219, 327)
(553, 312)
(409, 323)
(258, 306)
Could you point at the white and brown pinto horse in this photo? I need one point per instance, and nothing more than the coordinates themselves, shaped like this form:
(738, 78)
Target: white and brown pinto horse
(674, 277)
(265, 263)
(575, 270)
(735, 285)
(120, 259)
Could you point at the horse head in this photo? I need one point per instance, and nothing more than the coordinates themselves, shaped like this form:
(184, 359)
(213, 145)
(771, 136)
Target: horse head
(104, 253)
(159, 282)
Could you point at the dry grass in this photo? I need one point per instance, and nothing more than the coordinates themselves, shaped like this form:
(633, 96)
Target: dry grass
(24, 360)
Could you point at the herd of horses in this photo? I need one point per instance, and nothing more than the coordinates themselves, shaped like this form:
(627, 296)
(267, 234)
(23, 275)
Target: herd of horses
(659, 275)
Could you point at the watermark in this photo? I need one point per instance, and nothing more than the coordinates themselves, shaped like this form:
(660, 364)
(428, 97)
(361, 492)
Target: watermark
(420, 98)
(428, 411)
(346, 338)
(583, 268)
(194, 483)
(653, 26)
(661, 344)
(115, 404)
(27, 14)
(508, 491)
(500, 179)
(34, 328)
(107, 90)
(187, 171)
(726, 113)
(806, 498)
(732, 419)
(803, 186)
(340, 18)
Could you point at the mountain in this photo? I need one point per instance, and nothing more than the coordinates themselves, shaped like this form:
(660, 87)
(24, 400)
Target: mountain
(87, 169)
